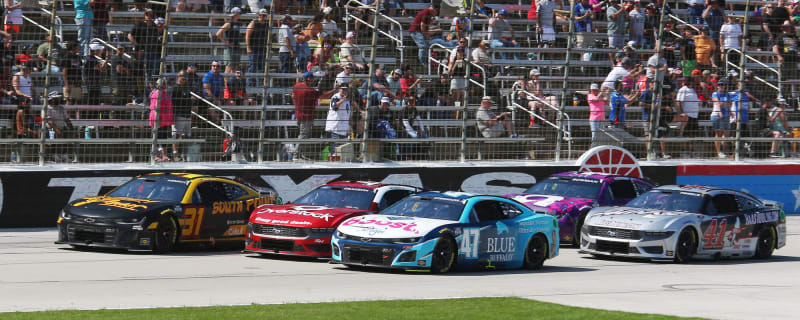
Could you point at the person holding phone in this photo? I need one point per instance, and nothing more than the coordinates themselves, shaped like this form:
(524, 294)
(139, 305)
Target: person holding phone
(493, 125)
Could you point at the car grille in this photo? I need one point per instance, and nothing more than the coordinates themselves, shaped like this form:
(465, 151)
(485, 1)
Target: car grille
(612, 246)
(653, 249)
(277, 245)
(368, 255)
(90, 234)
(279, 231)
(615, 233)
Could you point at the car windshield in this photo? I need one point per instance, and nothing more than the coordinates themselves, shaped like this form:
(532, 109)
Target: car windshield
(576, 188)
(151, 189)
(339, 197)
(426, 207)
(670, 200)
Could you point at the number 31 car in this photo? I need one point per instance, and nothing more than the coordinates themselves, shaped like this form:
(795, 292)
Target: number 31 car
(443, 231)
(681, 222)
(161, 210)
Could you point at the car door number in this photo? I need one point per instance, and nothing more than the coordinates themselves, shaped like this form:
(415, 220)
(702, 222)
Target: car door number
(713, 236)
(469, 243)
(192, 219)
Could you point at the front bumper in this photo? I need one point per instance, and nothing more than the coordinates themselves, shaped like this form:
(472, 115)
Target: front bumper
(415, 256)
(644, 247)
(306, 246)
(120, 236)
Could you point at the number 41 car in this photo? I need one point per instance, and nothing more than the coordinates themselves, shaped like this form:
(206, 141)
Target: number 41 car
(160, 211)
(681, 222)
(444, 231)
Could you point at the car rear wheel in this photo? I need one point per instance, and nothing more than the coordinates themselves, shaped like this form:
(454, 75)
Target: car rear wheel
(536, 252)
(766, 243)
(576, 238)
(444, 255)
(684, 248)
(166, 234)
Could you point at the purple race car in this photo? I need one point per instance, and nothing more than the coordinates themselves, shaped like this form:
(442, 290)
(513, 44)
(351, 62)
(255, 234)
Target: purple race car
(570, 195)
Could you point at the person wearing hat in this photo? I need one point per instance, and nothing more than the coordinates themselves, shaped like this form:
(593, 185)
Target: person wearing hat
(393, 79)
(255, 39)
(686, 45)
(459, 29)
(714, 16)
(481, 57)
(617, 18)
(230, 34)
(95, 66)
(380, 87)
(501, 34)
(349, 53)
(236, 90)
(687, 108)
(778, 126)
(584, 14)
(146, 36)
(786, 50)
(305, 101)
(121, 80)
(343, 78)
(161, 106)
(337, 123)
(720, 115)
(730, 37)
(772, 17)
(383, 122)
(21, 83)
(71, 66)
(213, 89)
(636, 24)
(286, 53)
(493, 125)
(624, 69)
(704, 48)
(597, 109)
(420, 32)
(329, 25)
(257, 5)
(696, 8)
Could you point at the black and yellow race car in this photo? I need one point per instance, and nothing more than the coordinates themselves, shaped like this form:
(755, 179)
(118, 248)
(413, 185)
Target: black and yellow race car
(162, 210)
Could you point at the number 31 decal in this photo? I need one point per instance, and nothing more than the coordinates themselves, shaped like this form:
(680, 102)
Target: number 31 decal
(469, 243)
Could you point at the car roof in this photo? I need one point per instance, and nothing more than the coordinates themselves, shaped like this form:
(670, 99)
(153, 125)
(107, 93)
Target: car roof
(175, 175)
(446, 194)
(357, 184)
(696, 188)
(587, 174)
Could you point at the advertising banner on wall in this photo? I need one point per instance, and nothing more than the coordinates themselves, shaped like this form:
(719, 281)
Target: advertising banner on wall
(779, 183)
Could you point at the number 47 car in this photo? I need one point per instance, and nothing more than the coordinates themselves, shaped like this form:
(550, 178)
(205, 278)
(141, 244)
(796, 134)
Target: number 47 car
(445, 231)
(682, 222)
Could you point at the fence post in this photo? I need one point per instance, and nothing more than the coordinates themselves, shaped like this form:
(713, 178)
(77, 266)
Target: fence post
(364, 157)
(161, 67)
(263, 123)
(742, 60)
(468, 56)
(43, 112)
(560, 131)
(655, 105)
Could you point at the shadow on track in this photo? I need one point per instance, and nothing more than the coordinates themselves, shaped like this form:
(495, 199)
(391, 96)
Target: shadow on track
(283, 257)
(482, 273)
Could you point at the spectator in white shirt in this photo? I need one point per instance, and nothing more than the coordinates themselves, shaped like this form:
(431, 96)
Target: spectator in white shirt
(731, 38)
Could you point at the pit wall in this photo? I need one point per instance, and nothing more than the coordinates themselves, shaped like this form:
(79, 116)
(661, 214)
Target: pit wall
(35, 198)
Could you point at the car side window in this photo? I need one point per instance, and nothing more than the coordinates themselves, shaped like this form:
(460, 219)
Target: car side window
(196, 197)
(746, 204)
(641, 187)
(212, 191)
(623, 189)
(489, 210)
(233, 191)
(392, 196)
(724, 204)
(510, 210)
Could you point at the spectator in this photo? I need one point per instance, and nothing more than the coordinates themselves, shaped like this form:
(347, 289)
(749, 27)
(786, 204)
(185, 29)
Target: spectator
(286, 53)
(257, 5)
(584, 13)
(597, 109)
(394, 5)
(182, 107)
(440, 91)
(383, 122)
(714, 15)
(314, 28)
(255, 39)
(213, 89)
(656, 64)
(786, 49)
(394, 82)
(616, 26)
(546, 21)
(83, 18)
(146, 37)
(410, 86)
(236, 90)
(42, 52)
(491, 125)
(740, 109)
(329, 25)
(651, 25)
(704, 48)
(161, 107)
(343, 78)
(696, 11)
(13, 15)
(646, 98)
(21, 82)
(637, 19)
(25, 121)
(597, 9)
(420, 32)
(618, 102)
(630, 51)
(687, 47)
(720, 116)
(229, 5)
(461, 46)
(193, 80)
(687, 107)
(730, 36)
(618, 72)
(337, 124)
(380, 87)
(320, 59)
(502, 35)
(458, 84)
(100, 11)
(413, 127)
(779, 127)
(230, 34)
(349, 52)
(305, 101)
(301, 49)
(460, 26)
(481, 57)
(772, 19)
(95, 66)
(481, 11)
(57, 118)
(71, 67)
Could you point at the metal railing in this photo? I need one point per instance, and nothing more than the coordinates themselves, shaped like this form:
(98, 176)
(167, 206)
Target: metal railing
(353, 4)
(227, 116)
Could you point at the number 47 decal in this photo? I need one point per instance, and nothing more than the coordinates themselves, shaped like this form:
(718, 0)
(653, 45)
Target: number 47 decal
(469, 243)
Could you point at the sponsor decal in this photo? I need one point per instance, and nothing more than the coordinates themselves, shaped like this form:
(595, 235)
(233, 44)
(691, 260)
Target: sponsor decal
(469, 243)
(617, 224)
(389, 224)
(761, 217)
(610, 159)
(230, 222)
(129, 204)
(501, 227)
(500, 245)
(533, 223)
(227, 207)
(307, 211)
(257, 202)
(263, 220)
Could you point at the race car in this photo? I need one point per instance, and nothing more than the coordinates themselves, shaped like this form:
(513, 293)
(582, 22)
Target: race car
(440, 232)
(570, 195)
(159, 211)
(304, 227)
(679, 222)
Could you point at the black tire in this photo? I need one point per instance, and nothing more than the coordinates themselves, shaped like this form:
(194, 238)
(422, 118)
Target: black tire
(686, 246)
(536, 252)
(79, 247)
(444, 255)
(166, 235)
(576, 237)
(766, 243)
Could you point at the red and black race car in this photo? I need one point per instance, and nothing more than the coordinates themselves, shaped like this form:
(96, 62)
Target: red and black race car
(304, 227)
(160, 211)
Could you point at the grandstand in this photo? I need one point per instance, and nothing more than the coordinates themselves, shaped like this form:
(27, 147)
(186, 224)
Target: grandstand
(252, 113)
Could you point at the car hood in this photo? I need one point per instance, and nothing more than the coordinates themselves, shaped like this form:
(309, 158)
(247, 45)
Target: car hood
(551, 203)
(384, 226)
(115, 207)
(296, 215)
(635, 218)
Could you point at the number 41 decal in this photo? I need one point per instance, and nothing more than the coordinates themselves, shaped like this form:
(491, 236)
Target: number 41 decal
(469, 243)
(712, 236)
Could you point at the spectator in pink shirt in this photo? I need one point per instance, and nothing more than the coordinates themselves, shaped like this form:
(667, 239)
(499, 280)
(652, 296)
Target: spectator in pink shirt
(597, 109)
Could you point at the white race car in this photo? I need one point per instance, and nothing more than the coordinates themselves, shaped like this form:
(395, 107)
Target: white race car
(682, 222)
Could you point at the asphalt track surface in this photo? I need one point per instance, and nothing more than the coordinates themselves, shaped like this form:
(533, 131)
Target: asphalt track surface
(36, 274)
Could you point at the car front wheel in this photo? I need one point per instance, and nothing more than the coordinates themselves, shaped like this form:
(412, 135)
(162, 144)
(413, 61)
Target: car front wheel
(166, 234)
(684, 248)
(444, 255)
